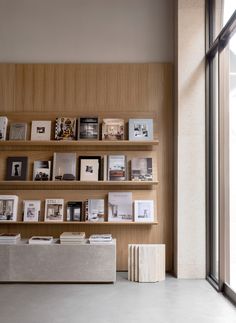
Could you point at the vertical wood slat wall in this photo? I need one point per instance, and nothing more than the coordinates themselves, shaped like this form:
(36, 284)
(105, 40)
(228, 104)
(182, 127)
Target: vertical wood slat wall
(41, 91)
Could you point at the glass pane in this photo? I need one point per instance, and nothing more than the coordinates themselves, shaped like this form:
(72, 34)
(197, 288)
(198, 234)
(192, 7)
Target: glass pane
(222, 10)
(214, 172)
(232, 160)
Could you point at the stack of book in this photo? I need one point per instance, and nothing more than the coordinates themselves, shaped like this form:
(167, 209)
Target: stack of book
(100, 238)
(41, 240)
(9, 238)
(70, 238)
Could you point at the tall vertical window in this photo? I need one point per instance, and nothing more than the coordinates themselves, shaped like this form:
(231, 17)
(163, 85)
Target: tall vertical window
(221, 144)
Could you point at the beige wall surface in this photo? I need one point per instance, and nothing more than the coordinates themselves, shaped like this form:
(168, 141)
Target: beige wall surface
(86, 31)
(190, 223)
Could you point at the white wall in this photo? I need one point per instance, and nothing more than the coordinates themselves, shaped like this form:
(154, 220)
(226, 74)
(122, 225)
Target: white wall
(86, 31)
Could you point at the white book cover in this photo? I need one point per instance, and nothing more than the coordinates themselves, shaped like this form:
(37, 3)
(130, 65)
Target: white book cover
(8, 207)
(54, 210)
(42, 170)
(31, 210)
(41, 130)
(18, 131)
(3, 128)
(64, 166)
(117, 167)
(120, 206)
(143, 210)
(140, 129)
(41, 240)
(72, 235)
(96, 210)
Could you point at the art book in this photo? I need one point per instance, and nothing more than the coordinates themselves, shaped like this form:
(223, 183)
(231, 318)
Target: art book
(116, 168)
(64, 166)
(88, 128)
(113, 129)
(41, 130)
(31, 210)
(74, 211)
(42, 170)
(120, 206)
(54, 209)
(3, 128)
(65, 128)
(8, 207)
(18, 131)
(141, 129)
(143, 211)
(141, 169)
(96, 210)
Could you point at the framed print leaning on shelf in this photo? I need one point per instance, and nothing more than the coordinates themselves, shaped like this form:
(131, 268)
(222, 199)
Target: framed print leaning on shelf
(64, 166)
(54, 210)
(89, 168)
(16, 168)
(140, 129)
(143, 211)
(31, 210)
(8, 207)
(41, 130)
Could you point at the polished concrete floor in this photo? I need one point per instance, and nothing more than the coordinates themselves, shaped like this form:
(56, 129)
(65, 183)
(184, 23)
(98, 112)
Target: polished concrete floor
(171, 301)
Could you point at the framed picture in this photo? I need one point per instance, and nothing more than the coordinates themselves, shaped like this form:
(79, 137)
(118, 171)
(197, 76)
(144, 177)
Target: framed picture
(88, 128)
(64, 166)
(31, 210)
(140, 129)
(89, 168)
(143, 211)
(41, 130)
(8, 207)
(16, 168)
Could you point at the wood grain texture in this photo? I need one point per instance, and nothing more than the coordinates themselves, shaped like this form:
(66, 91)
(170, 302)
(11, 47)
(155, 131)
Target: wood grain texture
(43, 91)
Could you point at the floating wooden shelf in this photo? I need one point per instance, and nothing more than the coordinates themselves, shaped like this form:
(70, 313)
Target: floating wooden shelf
(75, 185)
(79, 223)
(74, 144)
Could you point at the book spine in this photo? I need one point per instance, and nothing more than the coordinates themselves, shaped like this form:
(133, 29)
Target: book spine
(105, 167)
(86, 210)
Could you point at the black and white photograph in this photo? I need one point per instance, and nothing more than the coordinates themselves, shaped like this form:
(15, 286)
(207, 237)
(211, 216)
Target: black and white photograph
(16, 168)
(8, 207)
(96, 210)
(143, 210)
(31, 210)
(41, 130)
(3, 128)
(64, 166)
(74, 211)
(113, 129)
(65, 128)
(18, 131)
(42, 170)
(120, 206)
(116, 168)
(88, 128)
(54, 210)
(140, 129)
(141, 169)
(89, 168)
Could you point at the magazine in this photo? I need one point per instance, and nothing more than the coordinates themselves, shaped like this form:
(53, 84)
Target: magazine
(31, 210)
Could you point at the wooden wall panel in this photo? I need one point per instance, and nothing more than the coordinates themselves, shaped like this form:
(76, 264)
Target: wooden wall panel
(44, 91)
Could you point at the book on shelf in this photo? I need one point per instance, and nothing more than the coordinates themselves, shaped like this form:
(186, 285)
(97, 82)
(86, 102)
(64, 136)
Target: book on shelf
(42, 170)
(74, 211)
(54, 210)
(140, 129)
(8, 207)
(18, 131)
(31, 210)
(16, 168)
(104, 167)
(113, 129)
(41, 130)
(117, 169)
(96, 210)
(9, 238)
(64, 166)
(3, 128)
(120, 207)
(143, 210)
(100, 238)
(41, 240)
(88, 128)
(71, 238)
(89, 168)
(141, 169)
(65, 128)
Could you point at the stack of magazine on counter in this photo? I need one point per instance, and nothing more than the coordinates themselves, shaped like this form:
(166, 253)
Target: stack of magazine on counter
(45, 240)
(71, 238)
(100, 238)
(9, 238)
